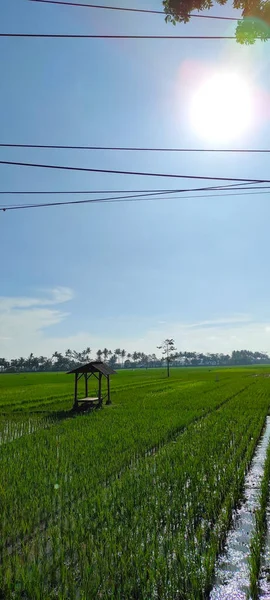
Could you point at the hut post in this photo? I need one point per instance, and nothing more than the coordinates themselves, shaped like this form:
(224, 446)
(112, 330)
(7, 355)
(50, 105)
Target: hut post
(99, 389)
(76, 392)
(108, 390)
(86, 385)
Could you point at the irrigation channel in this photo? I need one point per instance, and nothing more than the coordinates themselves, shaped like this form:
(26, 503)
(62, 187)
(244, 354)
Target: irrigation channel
(231, 581)
(264, 579)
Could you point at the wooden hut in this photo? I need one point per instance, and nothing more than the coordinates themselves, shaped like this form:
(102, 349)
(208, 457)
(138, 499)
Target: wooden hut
(95, 369)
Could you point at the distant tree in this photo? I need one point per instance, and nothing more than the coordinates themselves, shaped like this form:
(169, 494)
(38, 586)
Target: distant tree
(72, 358)
(44, 363)
(21, 363)
(168, 349)
(153, 360)
(127, 363)
(79, 357)
(255, 22)
(30, 362)
(4, 364)
(60, 362)
(117, 352)
(99, 354)
(144, 360)
(123, 354)
(85, 355)
(135, 356)
(106, 353)
(112, 361)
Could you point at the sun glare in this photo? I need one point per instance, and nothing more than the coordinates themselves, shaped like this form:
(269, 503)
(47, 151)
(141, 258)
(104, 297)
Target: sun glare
(222, 109)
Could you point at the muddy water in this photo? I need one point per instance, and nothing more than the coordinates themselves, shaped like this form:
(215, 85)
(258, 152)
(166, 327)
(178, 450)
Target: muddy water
(232, 569)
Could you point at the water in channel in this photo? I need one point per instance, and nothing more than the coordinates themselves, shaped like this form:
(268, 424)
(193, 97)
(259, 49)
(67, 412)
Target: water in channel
(264, 579)
(231, 580)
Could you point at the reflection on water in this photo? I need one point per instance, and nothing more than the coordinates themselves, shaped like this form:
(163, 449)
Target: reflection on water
(264, 581)
(232, 569)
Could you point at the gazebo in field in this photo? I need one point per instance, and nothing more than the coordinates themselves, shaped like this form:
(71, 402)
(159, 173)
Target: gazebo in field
(98, 370)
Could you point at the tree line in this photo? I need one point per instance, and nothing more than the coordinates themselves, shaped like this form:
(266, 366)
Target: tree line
(120, 358)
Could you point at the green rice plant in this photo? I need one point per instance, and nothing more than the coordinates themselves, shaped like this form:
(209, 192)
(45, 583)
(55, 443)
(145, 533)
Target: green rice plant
(32, 466)
(133, 501)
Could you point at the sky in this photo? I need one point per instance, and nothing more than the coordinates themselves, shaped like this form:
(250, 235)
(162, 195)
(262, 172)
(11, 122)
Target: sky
(129, 274)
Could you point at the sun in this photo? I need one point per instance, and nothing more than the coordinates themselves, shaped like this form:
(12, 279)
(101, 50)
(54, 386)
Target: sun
(221, 109)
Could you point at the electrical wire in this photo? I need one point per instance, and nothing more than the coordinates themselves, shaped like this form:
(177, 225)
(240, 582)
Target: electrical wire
(157, 191)
(134, 173)
(116, 37)
(124, 199)
(136, 148)
(132, 10)
(139, 193)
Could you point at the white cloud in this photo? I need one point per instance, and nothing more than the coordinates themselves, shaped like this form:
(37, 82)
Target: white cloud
(242, 318)
(236, 335)
(55, 296)
(22, 320)
(25, 324)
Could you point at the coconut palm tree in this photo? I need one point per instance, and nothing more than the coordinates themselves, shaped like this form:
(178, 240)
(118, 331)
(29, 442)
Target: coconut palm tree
(135, 356)
(99, 354)
(105, 353)
(117, 352)
(123, 354)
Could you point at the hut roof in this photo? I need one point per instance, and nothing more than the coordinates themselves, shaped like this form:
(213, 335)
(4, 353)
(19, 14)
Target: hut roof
(94, 367)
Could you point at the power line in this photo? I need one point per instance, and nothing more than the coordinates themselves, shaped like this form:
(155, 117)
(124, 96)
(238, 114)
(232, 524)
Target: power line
(116, 37)
(123, 199)
(132, 10)
(240, 186)
(74, 192)
(139, 193)
(134, 148)
(88, 201)
(134, 173)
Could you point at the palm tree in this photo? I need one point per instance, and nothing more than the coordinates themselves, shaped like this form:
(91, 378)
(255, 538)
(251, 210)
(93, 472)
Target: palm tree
(117, 352)
(105, 353)
(135, 356)
(99, 355)
(123, 354)
(113, 361)
(21, 363)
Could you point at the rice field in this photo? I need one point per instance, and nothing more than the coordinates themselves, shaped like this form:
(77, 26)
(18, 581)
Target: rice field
(133, 501)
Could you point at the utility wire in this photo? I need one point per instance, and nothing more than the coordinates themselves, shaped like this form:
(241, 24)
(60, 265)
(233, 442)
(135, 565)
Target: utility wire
(240, 186)
(121, 199)
(132, 10)
(153, 193)
(135, 173)
(141, 194)
(74, 192)
(134, 148)
(117, 37)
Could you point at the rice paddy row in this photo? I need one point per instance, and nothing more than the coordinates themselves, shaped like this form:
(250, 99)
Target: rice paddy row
(132, 501)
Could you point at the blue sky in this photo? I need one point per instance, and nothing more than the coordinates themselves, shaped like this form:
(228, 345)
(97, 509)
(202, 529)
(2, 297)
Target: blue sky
(195, 269)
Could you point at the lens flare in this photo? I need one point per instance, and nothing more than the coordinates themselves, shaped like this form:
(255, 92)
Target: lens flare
(252, 28)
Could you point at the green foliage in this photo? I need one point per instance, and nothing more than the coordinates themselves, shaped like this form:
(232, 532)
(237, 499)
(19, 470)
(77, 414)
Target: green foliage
(59, 362)
(168, 348)
(255, 14)
(132, 501)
